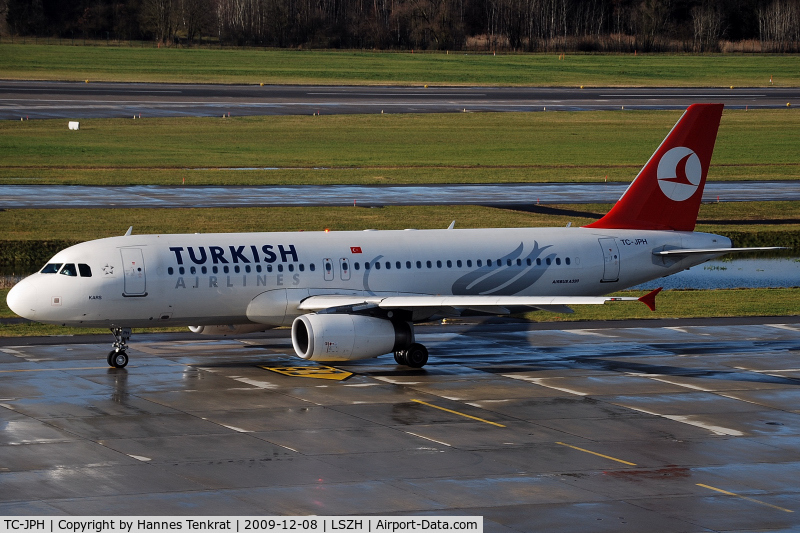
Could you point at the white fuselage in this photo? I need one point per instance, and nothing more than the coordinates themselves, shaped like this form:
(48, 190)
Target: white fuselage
(211, 279)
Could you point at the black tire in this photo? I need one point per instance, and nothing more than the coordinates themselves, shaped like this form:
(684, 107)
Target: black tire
(118, 359)
(416, 355)
(400, 357)
(110, 358)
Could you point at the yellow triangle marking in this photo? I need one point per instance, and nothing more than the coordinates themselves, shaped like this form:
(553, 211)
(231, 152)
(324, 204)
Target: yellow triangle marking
(317, 371)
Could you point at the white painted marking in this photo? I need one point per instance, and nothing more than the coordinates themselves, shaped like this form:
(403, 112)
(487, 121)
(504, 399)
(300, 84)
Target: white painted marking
(717, 430)
(538, 381)
(397, 381)
(395, 93)
(11, 351)
(684, 330)
(685, 385)
(480, 403)
(430, 439)
(726, 95)
(784, 326)
(234, 428)
(139, 457)
(589, 332)
(255, 382)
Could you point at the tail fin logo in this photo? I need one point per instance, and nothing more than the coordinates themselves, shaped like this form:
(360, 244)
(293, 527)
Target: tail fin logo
(679, 173)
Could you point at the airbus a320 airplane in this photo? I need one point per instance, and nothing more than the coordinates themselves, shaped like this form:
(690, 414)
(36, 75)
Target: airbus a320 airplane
(355, 295)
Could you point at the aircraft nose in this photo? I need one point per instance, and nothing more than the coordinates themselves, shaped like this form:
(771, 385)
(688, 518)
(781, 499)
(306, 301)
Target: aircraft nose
(22, 297)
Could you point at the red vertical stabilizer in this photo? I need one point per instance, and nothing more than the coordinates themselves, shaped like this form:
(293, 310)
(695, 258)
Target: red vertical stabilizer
(667, 192)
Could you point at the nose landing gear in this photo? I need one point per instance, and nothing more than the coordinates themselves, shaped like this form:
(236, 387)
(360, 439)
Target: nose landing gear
(117, 357)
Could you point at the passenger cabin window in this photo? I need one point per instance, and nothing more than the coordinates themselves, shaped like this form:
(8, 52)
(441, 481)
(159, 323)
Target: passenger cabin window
(51, 268)
(69, 270)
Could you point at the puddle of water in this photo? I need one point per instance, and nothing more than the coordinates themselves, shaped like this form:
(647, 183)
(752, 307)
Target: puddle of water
(733, 274)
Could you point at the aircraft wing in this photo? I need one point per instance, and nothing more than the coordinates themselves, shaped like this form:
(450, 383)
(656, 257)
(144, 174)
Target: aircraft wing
(357, 303)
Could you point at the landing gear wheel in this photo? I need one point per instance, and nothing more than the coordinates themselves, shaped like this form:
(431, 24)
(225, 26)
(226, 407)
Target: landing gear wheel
(416, 355)
(400, 357)
(117, 359)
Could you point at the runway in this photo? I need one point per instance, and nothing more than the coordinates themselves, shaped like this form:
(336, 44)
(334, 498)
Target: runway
(48, 99)
(658, 426)
(503, 194)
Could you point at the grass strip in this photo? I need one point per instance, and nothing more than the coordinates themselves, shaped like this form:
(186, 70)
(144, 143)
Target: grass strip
(31, 236)
(383, 149)
(85, 224)
(253, 66)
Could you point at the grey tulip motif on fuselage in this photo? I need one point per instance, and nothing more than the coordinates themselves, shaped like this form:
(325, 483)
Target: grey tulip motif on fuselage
(502, 279)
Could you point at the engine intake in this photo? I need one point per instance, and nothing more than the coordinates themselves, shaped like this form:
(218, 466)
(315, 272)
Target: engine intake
(342, 337)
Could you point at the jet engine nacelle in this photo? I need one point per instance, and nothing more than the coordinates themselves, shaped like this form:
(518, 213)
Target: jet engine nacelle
(233, 329)
(342, 337)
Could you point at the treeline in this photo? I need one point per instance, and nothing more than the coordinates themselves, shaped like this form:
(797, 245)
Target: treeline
(519, 25)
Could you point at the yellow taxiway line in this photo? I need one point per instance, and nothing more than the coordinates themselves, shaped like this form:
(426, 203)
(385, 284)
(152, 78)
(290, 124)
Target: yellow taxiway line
(459, 414)
(744, 498)
(597, 454)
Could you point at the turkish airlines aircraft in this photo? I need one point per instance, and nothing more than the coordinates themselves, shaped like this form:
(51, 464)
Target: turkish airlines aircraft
(356, 294)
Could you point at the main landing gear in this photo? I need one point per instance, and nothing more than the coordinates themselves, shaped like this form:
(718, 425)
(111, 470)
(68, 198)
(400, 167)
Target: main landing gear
(117, 357)
(415, 356)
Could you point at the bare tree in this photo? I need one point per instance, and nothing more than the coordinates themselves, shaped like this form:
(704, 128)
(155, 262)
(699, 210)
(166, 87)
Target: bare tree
(779, 26)
(158, 18)
(707, 26)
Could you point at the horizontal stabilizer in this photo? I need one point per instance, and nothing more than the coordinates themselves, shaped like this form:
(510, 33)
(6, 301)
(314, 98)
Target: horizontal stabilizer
(692, 251)
(649, 299)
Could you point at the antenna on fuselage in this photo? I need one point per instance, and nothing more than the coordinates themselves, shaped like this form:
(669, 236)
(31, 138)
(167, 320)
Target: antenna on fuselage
(452, 225)
(128, 233)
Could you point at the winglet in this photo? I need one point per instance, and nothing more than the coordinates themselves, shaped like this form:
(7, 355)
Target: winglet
(649, 299)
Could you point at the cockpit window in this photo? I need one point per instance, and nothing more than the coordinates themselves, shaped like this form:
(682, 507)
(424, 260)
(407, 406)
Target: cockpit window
(85, 270)
(51, 268)
(69, 270)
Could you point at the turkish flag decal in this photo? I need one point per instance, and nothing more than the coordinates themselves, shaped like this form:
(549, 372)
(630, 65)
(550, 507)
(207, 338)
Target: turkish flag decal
(355, 249)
